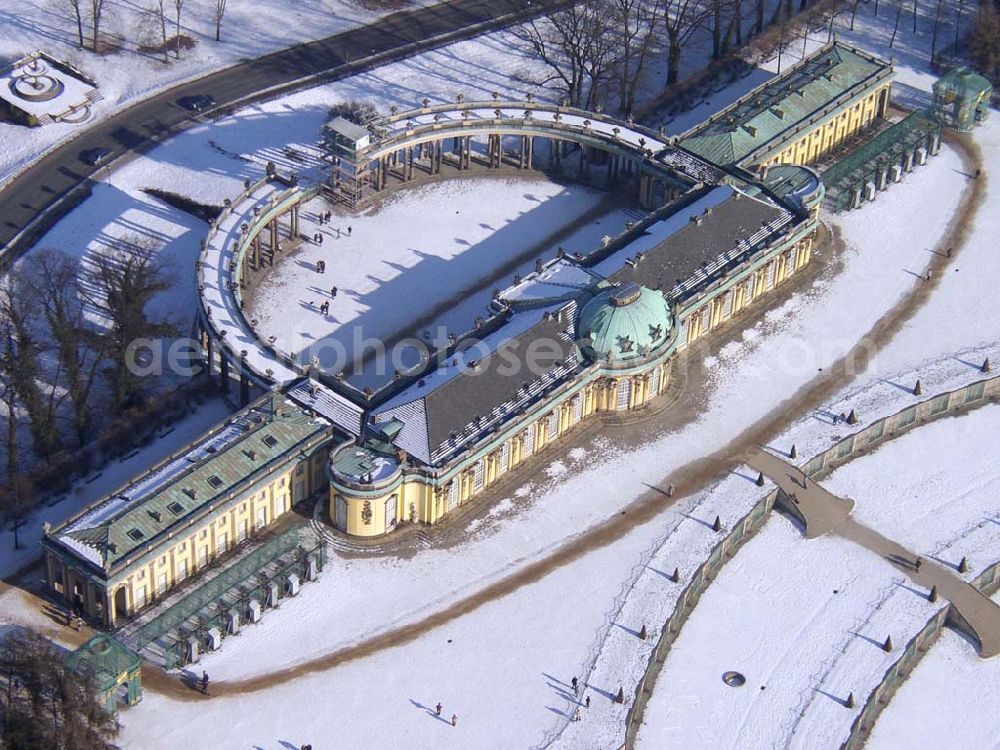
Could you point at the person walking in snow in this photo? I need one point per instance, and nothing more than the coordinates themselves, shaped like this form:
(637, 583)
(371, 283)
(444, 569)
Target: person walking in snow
(349, 231)
(575, 684)
(333, 292)
(586, 703)
(437, 709)
(454, 720)
(204, 682)
(576, 715)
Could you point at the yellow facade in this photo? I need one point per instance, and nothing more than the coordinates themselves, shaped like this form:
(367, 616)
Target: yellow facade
(817, 141)
(183, 554)
(724, 305)
(368, 515)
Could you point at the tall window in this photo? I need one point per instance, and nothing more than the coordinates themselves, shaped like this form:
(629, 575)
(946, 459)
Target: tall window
(624, 389)
(480, 474)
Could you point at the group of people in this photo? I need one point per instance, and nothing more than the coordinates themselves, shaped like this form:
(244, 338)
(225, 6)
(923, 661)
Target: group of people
(324, 218)
(575, 684)
(320, 266)
(454, 717)
(74, 620)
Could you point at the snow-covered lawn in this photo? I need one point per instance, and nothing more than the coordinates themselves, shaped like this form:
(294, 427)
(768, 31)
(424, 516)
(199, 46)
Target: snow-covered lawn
(504, 671)
(780, 612)
(949, 700)
(442, 266)
(933, 487)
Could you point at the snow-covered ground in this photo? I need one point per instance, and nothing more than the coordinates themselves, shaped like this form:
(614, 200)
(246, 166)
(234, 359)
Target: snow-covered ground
(780, 612)
(949, 700)
(446, 268)
(933, 489)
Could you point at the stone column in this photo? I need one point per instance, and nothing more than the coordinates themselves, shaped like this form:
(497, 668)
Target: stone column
(209, 354)
(244, 381)
(223, 371)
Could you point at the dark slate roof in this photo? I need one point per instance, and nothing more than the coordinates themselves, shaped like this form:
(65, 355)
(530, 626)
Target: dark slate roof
(344, 413)
(774, 110)
(457, 403)
(684, 251)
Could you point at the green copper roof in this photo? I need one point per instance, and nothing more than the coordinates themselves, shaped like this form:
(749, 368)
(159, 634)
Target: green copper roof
(624, 323)
(230, 458)
(963, 83)
(105, 659)
(772, 112)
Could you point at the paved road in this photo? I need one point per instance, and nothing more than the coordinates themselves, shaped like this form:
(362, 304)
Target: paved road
(142, 125)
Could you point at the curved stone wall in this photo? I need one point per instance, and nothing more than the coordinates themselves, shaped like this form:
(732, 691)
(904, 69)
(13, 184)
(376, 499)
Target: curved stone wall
(852, 446)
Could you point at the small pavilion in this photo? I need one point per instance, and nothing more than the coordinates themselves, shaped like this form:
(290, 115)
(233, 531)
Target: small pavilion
(961, 99)
(112, 666)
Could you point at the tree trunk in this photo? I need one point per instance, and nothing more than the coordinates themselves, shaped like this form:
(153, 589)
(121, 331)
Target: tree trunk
(716, 29)
(673, 59)
(895, 26)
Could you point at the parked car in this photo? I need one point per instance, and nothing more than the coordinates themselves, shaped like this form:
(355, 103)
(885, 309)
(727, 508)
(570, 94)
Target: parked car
(95, 157)
(198, 103)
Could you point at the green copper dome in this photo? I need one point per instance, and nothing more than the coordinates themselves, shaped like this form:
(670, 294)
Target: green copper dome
(624, 323)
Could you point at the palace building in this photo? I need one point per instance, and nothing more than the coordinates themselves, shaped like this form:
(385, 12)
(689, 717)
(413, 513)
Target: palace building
(800, 115)
(586, 333)
(131, 547)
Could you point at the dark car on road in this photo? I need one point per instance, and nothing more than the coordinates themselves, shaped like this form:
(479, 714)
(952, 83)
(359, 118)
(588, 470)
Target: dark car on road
(198, 103)
(95, 157)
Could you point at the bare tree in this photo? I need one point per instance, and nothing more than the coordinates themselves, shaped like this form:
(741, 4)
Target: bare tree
(21, 362)
(734, 34)
(55, 281)
(96, 13)
(759, 7)
(984, 42)
(76, 7)
(682, 19)
(575, 45)
(895, 26)
(160, 14)
(220, 11)
(178, 7)
(636, 24)
(17, 502)
(934, 33)
(124, 283)
(45, 703)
